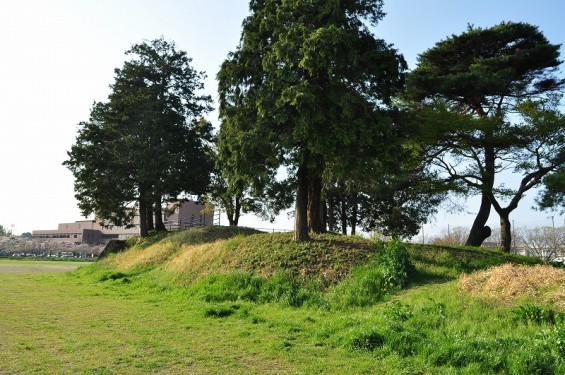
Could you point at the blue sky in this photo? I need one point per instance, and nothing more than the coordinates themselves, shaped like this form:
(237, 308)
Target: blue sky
(58, 56)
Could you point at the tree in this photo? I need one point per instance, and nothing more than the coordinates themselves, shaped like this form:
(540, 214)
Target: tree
(473, 83)
(552, 196)
(306, 83)
(455, 236)
(147, 143)
(4, 232)
(542, 242)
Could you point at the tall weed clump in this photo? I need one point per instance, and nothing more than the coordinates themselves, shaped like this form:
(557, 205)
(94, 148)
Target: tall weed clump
(370, 283)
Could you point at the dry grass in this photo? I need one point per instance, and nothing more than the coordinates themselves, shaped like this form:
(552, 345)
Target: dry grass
(137, 257)
(193, 262)
(510, 282)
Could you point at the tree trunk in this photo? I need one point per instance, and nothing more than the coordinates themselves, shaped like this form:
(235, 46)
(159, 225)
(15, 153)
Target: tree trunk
(479, 231)
(315, 219)
(343, 215)
(143, 231)
(149, 215)
(237, 211)
(331, 218)
(159, 224)
(505, 232)
(353, 213)
(301, 206)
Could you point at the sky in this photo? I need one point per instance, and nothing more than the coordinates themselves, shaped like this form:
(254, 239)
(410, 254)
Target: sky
(59, 56)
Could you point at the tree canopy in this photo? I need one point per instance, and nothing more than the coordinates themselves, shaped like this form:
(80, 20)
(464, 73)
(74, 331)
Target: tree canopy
(147, 143)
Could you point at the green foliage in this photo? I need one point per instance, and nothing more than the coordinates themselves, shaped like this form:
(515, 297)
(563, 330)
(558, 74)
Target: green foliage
(368, 341)
(530, 313)
(553, 194)
(148, 142)
(371, 282)
(473, 91)
(395, 265)
(553, 339)
(238, 286)
(287, 291)
(110, 275)
(294, 58)
(4, 232)
(364, 286)
(220, 311)
(229, 287)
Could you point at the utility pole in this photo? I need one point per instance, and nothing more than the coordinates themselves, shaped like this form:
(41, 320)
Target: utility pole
(513, 236)
(554, 238)
(423, 238)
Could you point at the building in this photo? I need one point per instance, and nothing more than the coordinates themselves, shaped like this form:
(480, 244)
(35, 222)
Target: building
(180, 215)
(187, 214)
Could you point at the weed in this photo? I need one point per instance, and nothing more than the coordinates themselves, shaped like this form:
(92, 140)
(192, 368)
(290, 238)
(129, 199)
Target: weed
(367, 340)
(371, 282)
(110, 275)
(530, 313)
(396, 311)
(553, 340)
(228, 287)
(395, 264)
(220, 311)
(286, 290)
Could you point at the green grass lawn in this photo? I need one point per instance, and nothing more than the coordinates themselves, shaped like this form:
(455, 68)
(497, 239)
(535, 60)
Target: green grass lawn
(144, 319)
(64, 324)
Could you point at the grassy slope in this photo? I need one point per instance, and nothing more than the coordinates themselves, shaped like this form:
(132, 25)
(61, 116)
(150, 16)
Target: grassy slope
(133, 314)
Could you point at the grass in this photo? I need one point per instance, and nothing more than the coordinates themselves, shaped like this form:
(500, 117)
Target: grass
(262, 306)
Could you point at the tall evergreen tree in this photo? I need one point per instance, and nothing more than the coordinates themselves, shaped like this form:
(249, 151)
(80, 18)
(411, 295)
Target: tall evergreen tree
(305, 85)
(147, 143)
